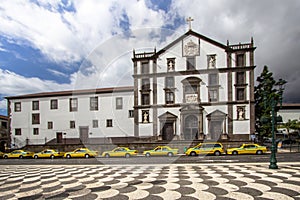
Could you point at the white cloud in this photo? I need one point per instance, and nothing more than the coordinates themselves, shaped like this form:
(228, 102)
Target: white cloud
(14, 84)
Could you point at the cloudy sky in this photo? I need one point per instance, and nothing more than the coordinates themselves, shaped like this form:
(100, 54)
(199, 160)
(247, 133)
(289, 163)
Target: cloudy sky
(48, 45)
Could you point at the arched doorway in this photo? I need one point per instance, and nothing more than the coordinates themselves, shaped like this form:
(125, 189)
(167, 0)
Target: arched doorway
(191, 127)
(167, 126)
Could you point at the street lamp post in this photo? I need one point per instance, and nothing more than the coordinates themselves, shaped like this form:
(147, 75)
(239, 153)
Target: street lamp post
(274, 102)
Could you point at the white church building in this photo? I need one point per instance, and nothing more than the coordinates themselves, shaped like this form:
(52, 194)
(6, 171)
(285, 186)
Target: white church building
(195, 88)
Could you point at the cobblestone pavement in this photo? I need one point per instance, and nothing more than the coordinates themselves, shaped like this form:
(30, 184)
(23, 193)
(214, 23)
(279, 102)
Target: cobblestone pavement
(174, 181)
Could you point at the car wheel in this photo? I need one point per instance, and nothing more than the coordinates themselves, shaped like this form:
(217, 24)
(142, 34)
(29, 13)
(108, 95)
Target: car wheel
(20, 156)
(35, 157)
(107, 155)
(147, 154)
(170, 154)
(234, 153)
(52, 156)
(217, 153)
(193, 153)
(127, 155)
(259, 152)
(68, 156)
(5, 157)
(87, 156)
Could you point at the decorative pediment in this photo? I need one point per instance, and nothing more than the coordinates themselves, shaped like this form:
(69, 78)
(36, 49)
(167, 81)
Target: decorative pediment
(167, 115)
(216, 114)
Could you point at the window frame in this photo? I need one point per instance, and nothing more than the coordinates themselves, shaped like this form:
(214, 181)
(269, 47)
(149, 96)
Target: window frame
(72, 124)
(35, 117)
(18, 131)
(95, 123)
(190, 63)
(17, 106)
(94, 103)
(36, 131)
(73, 104)
(119, 103)
(109, 123)
(35, 105)
(53, 104)
(50, 124)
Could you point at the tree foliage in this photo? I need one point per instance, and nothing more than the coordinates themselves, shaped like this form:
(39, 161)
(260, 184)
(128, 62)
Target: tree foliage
(264, 93)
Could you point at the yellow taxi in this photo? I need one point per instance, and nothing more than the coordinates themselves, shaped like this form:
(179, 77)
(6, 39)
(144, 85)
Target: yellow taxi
(81, 153)
(120, 152)
(247, 149)
(161, 151)
(1, 154)
(18, 154)
(48, 153)
(205, 148)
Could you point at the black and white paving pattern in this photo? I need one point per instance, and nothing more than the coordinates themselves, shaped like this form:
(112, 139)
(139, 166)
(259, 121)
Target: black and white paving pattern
(174, 181)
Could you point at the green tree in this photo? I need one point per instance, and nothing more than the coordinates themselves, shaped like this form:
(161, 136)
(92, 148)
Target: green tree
(290, 125)
(264, 92)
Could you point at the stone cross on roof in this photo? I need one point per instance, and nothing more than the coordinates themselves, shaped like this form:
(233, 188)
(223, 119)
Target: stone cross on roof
(189, 20)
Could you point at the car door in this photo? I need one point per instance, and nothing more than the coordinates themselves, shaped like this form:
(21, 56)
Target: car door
(250, 149)
(157, 151)
(164, 151)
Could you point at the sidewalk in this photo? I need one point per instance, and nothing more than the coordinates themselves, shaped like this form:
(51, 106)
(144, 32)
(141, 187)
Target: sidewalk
(173, 181)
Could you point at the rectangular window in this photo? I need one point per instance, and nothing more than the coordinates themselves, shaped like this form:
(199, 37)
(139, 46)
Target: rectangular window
(191, 63)
(93, 103)
(18, 131)
(240, 60)
(145, 68)
(170, 82)
(213, 95)
(130, 113)
(145, 99)
(50, 125)
(213, 79)
(169, 97)
(240, 78)
(109, 123)
(53, 104)
(35, 118)
(18, 107)
(145, 84)
(119, 103)
(95, 123)
(240, 96)
(72, 124)
(35, 105)
(73, 104)
(35, 131)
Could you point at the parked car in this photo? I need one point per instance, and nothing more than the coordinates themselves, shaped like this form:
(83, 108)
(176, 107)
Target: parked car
(1, 154)
(247, 149)
(161, 151)
(18, 154)
(81, 153)
(48, 153)
(120, 152)
(206, 148)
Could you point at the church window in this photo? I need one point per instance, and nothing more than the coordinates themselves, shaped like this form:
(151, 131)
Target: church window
(145, 99)
(240, 60)
(240, 96)
(213, 79)
(35, 131)
(146, 84)
(72, 124)
(50, 125)
(95, 123)
(131, 113)
(145, 68)
(18, 131)
(109, 123)
(240, 78)
(169, 82)
(53, 104)
(190, 63)
(169, 97)
(213, 95)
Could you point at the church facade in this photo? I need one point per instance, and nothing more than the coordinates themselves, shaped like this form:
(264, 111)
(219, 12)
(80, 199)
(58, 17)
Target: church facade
(195, 88)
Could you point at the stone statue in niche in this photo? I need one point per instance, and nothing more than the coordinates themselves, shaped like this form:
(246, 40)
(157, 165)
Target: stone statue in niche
(171, 65)
(241, 113)
(211, 61)
(145, 117)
